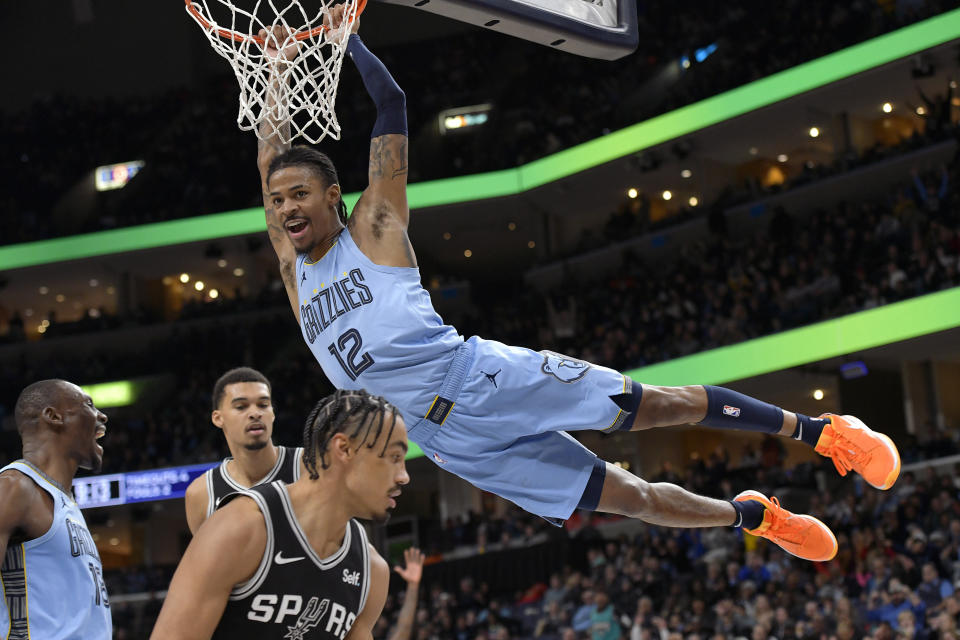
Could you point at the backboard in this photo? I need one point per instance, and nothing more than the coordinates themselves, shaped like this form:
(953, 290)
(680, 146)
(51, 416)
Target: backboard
(604, 29)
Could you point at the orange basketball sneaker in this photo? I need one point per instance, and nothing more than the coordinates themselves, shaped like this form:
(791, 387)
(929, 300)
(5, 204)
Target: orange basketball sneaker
(800, 535)
(854, 446)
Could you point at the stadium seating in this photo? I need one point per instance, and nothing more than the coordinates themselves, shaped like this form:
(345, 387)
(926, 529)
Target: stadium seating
(899, 551)
(188, 138)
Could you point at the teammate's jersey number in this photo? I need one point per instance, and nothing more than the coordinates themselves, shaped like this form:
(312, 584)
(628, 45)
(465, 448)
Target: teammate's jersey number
(100, 595)
(354, 363)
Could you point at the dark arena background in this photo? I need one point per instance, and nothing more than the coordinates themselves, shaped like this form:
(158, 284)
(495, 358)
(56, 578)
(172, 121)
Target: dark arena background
(764, 195)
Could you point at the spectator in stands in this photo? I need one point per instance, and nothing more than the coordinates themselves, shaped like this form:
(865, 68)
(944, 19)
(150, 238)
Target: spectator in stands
(603, 619)
(928, 193)
(886, 605)
(934, 589)
(582, 618)
(557, 591)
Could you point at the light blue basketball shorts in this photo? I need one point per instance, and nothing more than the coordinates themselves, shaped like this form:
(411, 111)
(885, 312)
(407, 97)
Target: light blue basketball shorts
(500, 417)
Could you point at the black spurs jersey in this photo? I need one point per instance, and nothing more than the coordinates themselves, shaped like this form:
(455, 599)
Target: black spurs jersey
(294, 594)
(220, 484)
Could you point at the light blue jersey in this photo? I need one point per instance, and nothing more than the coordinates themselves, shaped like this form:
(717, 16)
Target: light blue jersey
(53, 585)
(493, 414)
(374, 327)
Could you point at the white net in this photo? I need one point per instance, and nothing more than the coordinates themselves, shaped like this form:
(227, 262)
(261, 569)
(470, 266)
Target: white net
(288, 78)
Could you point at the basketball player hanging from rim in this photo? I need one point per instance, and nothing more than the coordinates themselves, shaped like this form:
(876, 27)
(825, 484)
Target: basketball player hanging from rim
(493, 414)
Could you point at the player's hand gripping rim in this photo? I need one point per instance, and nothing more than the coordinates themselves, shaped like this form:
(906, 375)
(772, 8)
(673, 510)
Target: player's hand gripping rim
(334, 21)
(280, 43)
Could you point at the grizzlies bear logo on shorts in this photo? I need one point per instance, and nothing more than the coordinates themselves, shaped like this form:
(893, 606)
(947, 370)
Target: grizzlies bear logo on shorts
(563, 368)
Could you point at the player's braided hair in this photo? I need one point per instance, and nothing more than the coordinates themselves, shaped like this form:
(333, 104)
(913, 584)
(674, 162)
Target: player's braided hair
(358, 414)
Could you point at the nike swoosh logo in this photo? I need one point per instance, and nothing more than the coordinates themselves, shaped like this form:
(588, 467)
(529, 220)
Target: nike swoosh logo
(279, 559)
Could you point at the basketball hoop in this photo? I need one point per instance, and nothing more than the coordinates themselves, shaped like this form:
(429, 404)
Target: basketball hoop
(275, 91)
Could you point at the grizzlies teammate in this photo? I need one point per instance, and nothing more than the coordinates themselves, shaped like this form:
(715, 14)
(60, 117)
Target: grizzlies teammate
(51, 573)
(289, 561)
(243, 410)
(493, 414)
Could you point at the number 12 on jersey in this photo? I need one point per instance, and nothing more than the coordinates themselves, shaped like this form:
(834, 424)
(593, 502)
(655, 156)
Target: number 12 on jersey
(351, 342)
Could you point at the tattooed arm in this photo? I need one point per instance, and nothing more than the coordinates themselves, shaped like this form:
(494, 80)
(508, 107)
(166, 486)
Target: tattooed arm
(379, 221)
(286, 255)
(269, 147)
(388, 174)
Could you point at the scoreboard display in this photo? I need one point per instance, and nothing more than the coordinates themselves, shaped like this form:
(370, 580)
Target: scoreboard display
(116, 176)
(136, 486)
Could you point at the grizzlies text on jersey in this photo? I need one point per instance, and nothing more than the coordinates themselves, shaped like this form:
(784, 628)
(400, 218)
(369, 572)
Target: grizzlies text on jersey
(364, 322)
(53, 585)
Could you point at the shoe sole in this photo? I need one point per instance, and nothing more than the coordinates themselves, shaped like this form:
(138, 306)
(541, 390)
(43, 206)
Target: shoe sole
(891, 447)
(892, 478)
(766, 501)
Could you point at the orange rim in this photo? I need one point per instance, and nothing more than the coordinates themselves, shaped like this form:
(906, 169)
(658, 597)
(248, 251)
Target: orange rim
(236, 36)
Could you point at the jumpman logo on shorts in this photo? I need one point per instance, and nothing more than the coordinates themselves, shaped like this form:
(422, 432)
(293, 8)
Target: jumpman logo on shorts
(492, 377)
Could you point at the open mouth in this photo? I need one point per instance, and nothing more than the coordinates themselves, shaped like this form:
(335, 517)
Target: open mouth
(99, 433)
(296, 226)
(256, 429)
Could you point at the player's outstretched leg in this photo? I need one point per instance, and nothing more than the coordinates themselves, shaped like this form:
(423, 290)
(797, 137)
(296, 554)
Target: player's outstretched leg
(666, 504)
(851, 444)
